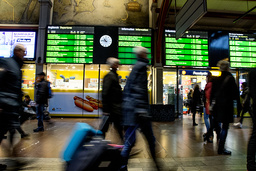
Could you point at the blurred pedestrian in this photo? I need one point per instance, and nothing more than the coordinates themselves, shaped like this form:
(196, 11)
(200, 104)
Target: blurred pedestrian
(136, 107)
(224, 93)
(112, 99)
(206, 100)
(251, 151)
(42, 91)
(196, 102)
(11, 95)
(190, 93)
(246, 104)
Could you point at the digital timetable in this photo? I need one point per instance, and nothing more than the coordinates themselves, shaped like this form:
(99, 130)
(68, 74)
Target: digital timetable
(190, 50)
(242, 49)
(128, 38)
(69, 44)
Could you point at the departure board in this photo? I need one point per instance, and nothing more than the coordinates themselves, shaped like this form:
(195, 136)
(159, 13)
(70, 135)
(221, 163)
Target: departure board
(69, 44)
(242, 49)
(189, 50)
(128, 38)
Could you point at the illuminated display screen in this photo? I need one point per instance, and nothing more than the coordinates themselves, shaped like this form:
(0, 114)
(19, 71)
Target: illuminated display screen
(8, 39)
(69, 44)
(190, 50)
(242, 49)
(128, 38)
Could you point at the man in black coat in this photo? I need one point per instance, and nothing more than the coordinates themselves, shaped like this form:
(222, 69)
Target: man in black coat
(112, 98)
(10, 92)
(42, 92)
(224, 92)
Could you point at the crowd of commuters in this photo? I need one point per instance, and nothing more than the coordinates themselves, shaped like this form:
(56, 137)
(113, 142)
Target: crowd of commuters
(129, 110)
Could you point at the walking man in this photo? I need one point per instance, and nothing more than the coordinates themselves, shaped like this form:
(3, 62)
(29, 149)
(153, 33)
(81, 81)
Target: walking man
(224, 92)
(112, 98)
(136, 107)
(11, 94)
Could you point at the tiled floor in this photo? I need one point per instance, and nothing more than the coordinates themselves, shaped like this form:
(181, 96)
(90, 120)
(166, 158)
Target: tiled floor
(179, 146)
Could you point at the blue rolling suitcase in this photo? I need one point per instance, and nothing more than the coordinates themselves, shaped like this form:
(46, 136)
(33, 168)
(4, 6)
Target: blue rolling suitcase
(79, 134)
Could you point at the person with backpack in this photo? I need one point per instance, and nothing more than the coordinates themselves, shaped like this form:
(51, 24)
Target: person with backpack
(42, 94)
(224, 92)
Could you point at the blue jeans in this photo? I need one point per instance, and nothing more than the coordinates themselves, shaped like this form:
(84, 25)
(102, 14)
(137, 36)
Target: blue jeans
(223, 136)
(206, 120)
(40, 115)
(130, 138)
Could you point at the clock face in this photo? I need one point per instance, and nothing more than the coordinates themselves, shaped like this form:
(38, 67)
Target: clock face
(105, 40)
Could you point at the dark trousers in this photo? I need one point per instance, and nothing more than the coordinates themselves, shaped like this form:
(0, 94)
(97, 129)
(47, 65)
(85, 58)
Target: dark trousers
(223, 136)
(243, 112)
(40, 115)
(117, 124)
(214, 125)
(130, 139)
(194, 117)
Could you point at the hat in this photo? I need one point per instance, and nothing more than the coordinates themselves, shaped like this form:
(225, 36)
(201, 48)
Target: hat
(41, 73)
(140, 49)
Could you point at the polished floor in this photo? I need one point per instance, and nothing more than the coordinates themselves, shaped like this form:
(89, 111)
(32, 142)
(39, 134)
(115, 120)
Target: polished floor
(179, 146)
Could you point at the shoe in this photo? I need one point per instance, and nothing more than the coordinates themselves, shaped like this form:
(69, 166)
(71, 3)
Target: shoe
(238, 124)
(195, 124)
(224, 152)
(3, 166)
(39, 130)
(25, 135)
(207, 139)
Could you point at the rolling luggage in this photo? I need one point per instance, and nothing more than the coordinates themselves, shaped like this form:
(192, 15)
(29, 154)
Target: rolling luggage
(87, 150)
(80, 132)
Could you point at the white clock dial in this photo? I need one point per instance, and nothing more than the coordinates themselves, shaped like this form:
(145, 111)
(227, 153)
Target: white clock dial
(105, 40)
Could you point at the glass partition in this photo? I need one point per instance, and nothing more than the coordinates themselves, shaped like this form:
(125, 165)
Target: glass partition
(28, 79)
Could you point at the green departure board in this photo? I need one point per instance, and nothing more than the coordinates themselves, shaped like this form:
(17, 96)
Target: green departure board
(69, 44)
(242, 49)
(128, 38)
(190, 50)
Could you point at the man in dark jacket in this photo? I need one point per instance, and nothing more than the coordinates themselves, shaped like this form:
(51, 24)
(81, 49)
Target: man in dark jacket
(136, 107)
(112, 98)
(10, 92)
(42, 92)
(224, 92)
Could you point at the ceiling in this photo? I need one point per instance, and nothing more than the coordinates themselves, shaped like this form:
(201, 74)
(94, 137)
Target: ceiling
(220, 15)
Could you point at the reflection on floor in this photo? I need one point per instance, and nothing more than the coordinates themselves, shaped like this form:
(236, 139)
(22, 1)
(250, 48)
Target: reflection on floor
(179, 146)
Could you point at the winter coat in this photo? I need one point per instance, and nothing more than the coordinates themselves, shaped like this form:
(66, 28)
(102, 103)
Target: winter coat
(207, 94)
(111, 94)
(196, 100)
(10, 91)
(225, 92)
(42, 92)
(135, 95)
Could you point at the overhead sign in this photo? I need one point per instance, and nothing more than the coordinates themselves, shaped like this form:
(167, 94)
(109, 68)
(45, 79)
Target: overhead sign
(193, 72)
(128, 38)
(190, 50)
(69, 44)
(189, 14)
(242, 49)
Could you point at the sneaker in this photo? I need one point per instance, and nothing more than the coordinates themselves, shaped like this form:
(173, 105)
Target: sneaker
(238, 124)
(39, 130)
